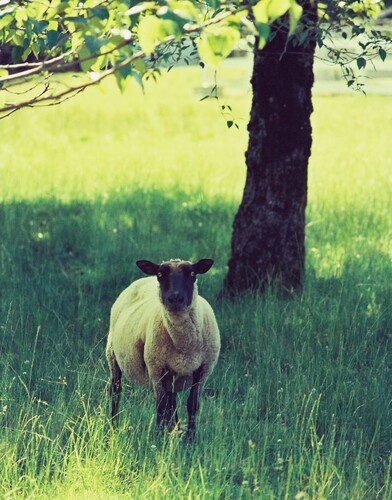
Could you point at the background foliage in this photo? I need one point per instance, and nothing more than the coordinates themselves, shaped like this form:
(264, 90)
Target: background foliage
(133, 39)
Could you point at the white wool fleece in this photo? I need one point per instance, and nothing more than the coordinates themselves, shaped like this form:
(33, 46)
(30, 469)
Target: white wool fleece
(149, 341)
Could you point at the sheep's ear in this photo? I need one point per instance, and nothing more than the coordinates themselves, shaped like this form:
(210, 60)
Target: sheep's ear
(147, 267)
(202, 266)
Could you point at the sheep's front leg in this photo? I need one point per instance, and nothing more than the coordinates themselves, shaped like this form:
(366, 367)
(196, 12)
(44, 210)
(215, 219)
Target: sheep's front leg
(193, 403)
(166, 406)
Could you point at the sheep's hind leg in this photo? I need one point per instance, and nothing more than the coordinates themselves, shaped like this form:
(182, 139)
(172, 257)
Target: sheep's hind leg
(115, 388)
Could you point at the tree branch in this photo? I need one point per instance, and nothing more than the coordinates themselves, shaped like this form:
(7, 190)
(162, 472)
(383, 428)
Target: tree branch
(56, 64)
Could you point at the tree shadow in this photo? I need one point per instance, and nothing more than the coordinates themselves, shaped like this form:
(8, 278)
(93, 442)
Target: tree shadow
(63, 265)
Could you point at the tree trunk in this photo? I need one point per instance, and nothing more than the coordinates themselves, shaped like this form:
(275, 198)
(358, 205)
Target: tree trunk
(268, 241)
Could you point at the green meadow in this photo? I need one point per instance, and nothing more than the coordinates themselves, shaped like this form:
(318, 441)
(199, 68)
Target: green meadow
(298, 406)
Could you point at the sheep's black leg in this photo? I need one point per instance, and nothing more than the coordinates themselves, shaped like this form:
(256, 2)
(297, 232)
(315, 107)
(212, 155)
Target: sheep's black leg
(167, 411)
(193, 404)
(115, 388)
(173, 417)
(162, 410)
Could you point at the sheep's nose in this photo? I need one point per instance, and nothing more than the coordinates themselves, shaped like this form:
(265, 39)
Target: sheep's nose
(176, 298)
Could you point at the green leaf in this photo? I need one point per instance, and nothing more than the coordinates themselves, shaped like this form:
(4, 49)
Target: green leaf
(40, 26)
(277, 8)
(100, 12)
(83, 54)
(35, 47)
(122, 77)
(173, 17)
(57, 8)
(361, 62)
(16, 54)
(217, 43)
(139, 8)
(264, 31)
(17, 39)
(382, 53)
(125, 71)
(148, 31)
(20, 16)
(184, 9)
(138, 78)
(76, 20)
(295, 14)
(99, 63)
(303, 36)
(76, 41)
(6, 20)
(121, 82)
(260, 11)
(169, 28)
(268, 11)
(37, 9)
(94, 44)
(152, 30)
(52, 38)
(140, 66)
(26, 53)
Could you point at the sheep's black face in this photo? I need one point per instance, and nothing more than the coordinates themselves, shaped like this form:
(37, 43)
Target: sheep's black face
(177, 285)
(176, 280)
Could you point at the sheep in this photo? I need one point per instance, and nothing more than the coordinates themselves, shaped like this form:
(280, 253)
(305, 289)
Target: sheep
(163, 334)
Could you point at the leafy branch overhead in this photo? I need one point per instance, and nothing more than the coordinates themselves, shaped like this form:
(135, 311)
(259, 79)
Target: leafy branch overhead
(131, 39)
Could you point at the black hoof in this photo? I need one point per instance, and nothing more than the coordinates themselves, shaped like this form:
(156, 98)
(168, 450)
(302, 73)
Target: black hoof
(190, 435)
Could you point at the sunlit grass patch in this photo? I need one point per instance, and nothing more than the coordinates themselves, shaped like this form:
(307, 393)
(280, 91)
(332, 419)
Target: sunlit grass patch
(104, 142)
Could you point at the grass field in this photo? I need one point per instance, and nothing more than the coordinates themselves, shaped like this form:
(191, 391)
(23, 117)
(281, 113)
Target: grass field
(299, 404)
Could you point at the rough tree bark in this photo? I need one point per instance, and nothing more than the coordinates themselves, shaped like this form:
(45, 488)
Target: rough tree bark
(268, 241)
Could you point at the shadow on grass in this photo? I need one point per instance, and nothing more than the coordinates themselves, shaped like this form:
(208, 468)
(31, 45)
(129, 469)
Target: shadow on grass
(63, 265)
(102, 239)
